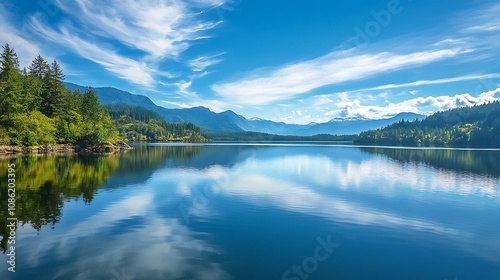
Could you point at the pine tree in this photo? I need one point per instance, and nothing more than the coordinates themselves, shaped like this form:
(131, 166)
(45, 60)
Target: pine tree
(90, 107)
(39, 67)
(11, 83)
(53, 91)
(32, 87)
(9, 59)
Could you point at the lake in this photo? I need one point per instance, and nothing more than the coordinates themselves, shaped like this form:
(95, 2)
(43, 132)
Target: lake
(256, 211)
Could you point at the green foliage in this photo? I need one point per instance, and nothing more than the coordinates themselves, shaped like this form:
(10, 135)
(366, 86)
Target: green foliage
(136, 123)
(33, 87)
(467, 126)
(11, 87)
(36, 108)
(4, 136)
(53, 91)
(32, 129)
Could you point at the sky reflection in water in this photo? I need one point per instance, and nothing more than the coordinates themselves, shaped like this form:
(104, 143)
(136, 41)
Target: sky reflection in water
(246, 211)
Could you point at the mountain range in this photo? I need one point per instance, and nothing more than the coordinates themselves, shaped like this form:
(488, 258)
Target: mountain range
(229, 121)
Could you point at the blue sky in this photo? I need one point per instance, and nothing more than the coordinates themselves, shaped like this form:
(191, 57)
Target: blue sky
(291, 61)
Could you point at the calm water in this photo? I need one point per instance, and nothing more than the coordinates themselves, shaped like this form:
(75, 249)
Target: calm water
(257, 212)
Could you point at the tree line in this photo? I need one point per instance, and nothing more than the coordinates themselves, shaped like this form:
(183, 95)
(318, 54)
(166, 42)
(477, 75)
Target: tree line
(36, 108)
(477, 125)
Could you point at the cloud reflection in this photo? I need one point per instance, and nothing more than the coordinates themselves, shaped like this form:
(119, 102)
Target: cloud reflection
(153, 248)
(297, 183)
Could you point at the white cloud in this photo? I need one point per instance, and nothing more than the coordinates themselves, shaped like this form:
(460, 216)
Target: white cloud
(201, 63)
(353, 108)
(159, 28)
(337, 67)
(183, 89)
(153, 30)
(124, 67)
(484, 20)
(482, 78)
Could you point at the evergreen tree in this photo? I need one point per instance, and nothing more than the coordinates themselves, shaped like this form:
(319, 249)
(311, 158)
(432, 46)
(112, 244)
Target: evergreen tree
(90, 107)
(9, 59)
(39, 67)
(11, 83)
(33, 88)
(36, 108)
(53, 91)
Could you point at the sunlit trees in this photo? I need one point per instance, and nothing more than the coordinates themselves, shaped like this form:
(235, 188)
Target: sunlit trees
(36, 108)
(11, 86)
(467, 126)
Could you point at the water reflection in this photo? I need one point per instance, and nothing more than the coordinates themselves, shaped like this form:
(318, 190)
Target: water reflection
(362, 190)
(132, 238)
(473, 161)
(43, 184)
(121, 212)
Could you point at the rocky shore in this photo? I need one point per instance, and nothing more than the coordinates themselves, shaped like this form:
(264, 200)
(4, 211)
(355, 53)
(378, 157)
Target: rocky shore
(65, 148)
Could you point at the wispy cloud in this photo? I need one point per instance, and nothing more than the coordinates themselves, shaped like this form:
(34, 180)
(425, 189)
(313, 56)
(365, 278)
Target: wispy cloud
(150, 30)
(201, 63)
(124, 67)
(432, 82)
(337, 67)
(484, 20)
(159, 28)
(183, 89)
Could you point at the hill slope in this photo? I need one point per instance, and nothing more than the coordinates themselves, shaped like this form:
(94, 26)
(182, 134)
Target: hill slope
(199, 116)
(467, 126)
(137, 123)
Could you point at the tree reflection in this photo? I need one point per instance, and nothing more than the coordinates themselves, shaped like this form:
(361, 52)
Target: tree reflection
(147, 158)
(43, 183)
(473, 161)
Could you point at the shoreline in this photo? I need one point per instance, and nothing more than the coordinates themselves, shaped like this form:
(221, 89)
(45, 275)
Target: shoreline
(64, 149)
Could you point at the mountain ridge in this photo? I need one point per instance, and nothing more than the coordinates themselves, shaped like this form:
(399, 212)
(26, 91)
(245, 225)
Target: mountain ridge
(229, 121)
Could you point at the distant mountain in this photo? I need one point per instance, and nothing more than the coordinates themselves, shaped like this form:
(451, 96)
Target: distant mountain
(229, 121)
(356, 126)
(108, 95)
(200, 116)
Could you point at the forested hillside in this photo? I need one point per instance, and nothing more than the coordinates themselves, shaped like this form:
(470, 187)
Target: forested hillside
(468, 126)
(136, 123)
(36, 108)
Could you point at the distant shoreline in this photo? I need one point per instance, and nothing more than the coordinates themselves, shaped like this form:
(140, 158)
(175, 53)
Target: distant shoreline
(64, 149)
